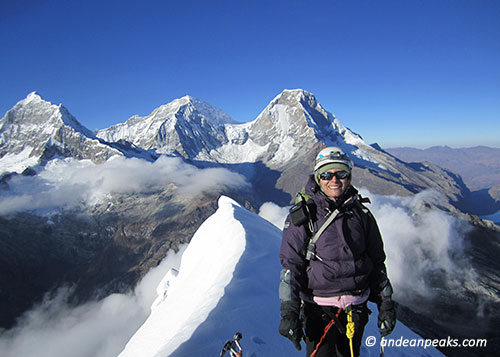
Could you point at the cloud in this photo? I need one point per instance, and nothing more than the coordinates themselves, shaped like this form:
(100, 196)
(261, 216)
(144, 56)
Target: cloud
(423, 245)
(70, 183)
(100, 329)
(274, 213)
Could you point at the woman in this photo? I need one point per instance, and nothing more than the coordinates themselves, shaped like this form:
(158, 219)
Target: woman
(333, 262)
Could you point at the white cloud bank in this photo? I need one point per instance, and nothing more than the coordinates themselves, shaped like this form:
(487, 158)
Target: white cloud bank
(69, 183)
(423, 245)
(100, 329)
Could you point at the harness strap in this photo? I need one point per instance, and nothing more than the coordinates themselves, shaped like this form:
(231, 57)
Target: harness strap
(311, 247)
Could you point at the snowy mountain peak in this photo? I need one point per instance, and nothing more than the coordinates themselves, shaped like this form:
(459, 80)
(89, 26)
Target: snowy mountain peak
(306, 101)
(186, 126)
(35, 130)
(32, 97)
(293, 123)
(297, 95)
(192, 105)
(299, 100)
(36, 111)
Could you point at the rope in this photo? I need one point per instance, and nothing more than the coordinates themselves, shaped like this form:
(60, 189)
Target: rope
(350, 330)
(327, 328)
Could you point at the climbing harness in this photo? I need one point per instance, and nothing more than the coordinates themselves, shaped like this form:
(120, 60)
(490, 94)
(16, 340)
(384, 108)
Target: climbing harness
(350, 330)
(327, 328)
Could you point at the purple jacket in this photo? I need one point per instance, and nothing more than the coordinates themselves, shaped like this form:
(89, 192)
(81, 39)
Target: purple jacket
(349, 254)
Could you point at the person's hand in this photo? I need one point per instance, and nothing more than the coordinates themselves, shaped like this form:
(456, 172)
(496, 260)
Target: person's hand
(386, 317)
(290, 325)
(291, 328)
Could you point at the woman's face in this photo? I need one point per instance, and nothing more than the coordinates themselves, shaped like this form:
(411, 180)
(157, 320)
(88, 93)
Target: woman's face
(334, 187)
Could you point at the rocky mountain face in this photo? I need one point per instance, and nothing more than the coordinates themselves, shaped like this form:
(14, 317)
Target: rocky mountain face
(109, 246)
(186, 127)
(35, 131)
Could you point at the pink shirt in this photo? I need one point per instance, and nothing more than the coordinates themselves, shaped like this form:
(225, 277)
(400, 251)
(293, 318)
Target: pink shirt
(342, 301)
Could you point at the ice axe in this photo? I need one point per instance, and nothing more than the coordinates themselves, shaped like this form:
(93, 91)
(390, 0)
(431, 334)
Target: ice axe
(382, 341)
(232, 345)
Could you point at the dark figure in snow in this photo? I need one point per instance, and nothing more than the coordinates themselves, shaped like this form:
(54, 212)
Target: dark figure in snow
(333, 263)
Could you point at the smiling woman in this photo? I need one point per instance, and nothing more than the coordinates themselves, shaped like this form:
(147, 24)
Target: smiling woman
(342, 266)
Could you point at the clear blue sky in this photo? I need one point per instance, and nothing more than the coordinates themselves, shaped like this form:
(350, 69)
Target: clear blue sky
(414, 73)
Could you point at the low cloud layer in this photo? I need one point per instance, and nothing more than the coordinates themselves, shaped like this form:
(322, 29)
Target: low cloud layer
(69, 183)
(101, 329)
(422, 245)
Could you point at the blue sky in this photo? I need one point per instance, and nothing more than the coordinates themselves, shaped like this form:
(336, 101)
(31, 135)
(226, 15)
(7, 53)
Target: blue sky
(413, 73)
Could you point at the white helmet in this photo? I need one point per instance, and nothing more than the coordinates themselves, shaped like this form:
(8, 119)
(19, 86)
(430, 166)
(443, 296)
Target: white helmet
(332, 155)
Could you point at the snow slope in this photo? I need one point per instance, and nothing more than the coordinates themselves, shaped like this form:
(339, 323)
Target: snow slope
(228, 282)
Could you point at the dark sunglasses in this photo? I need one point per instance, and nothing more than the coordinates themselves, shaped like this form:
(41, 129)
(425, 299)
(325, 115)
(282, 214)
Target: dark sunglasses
(340, 175)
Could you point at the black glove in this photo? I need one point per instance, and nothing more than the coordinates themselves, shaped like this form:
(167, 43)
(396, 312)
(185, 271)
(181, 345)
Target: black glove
(386, 317)
(290, 325)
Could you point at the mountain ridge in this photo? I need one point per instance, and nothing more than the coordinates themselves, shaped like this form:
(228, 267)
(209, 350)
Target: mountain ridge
(479, 165)
(283, 138)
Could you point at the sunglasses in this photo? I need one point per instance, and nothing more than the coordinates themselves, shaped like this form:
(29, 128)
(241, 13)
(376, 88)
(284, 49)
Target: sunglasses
(340, 175)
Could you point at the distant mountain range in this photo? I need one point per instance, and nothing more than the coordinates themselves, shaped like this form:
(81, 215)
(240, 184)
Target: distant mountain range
(108, 246)
(478, 166)
(275, 151)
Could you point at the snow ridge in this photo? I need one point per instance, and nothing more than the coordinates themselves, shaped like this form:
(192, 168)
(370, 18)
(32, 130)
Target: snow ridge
(227, 283)
(206, 269)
